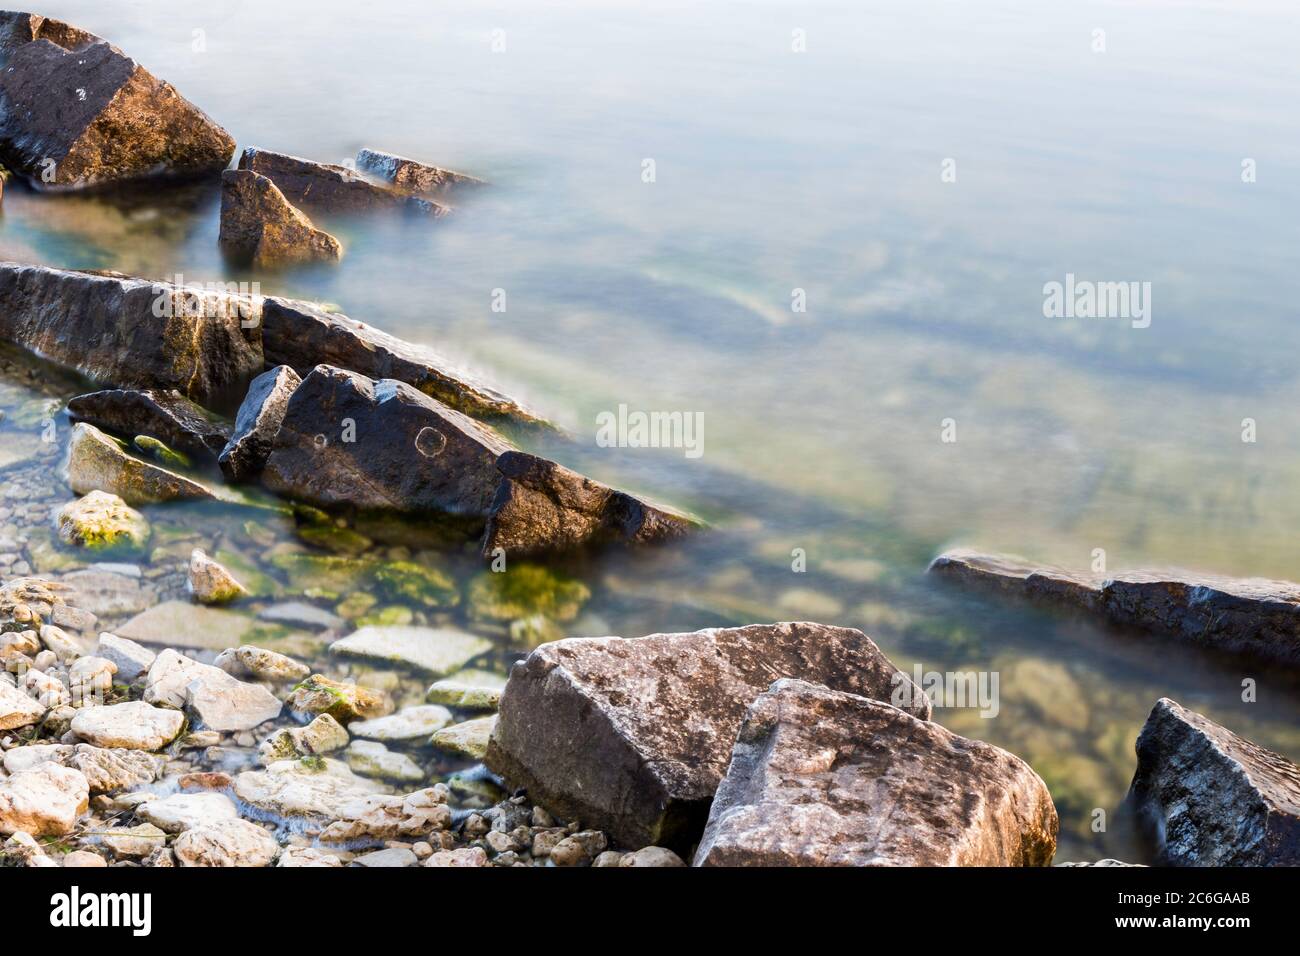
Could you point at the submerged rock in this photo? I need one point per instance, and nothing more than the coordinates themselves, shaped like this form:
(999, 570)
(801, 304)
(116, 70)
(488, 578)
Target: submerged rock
(412, 176)
(1212, 798)
(257, 663)
(183, 624)
(434, 651)
(134, 725)
(210, 582)
(302, 336)
(134, 333)
(111, 120)
(824, 778)
(468, 689)
(658, 715)
(1255, 617)
(260, 227)
(100, 521)
(330, 187)
(348, 440)
(98, 463)
(43, 801)
(370, 758)
(541, 506)
(409, 723)
(257, 423)
(165, 414)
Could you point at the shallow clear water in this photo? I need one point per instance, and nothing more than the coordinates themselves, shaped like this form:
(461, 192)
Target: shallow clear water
(821, 171)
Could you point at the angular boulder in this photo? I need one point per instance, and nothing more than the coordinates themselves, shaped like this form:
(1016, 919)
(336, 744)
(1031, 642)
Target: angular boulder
(100, 521)
(259, 227)
(348, 440)
(823, 778)
(1211, 798)
(134, 333)
(1254, 617)
(96, 462)
(329, 187)
(302, 336)
(541, 506)
(165, 414)
(412, 176)
(657, 717)
(257, 423)
(209, 581)
(215, 699)
(17, 709)
(75, 111)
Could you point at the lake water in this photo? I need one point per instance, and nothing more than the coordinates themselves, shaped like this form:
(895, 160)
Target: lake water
(915, 175)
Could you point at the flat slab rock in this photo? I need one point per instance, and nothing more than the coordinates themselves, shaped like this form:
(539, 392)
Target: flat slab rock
(72, 99)
(96, 462)
(330, 187)
(408, 452)
(412, 176)
(302, 336)
(183, 624)
(657, 717)
(823, 778)
(164, 414)
(1211, 798)
(134, 333)
(1255, 617)
(431, 650)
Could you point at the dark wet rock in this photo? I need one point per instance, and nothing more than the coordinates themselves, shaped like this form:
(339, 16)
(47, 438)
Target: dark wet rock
(134, 333)
(542, 506)
(658, 715)
(75, 111)
(1250, 616)
(259, 227)
(96, 462)
(302, 336)
(165, 414)
(412, 176)
(408, 452)
(823, 778)
(257, 423)
(1211, 798)
(328, 187)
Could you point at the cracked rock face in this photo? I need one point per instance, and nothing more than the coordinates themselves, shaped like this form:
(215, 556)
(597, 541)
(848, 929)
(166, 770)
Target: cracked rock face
(164, 414)
(1254, 617)
(1211, 798)
(261, 228)
(823, 778)
(75, 112)
(657, 717)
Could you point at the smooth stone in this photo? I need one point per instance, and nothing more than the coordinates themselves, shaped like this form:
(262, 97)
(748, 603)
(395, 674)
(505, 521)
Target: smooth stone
(131, 659)
(216, 700)
(261, 228)
(44, 801)
(467, 739)
(99, 521)
(651, 856)
(409, 723)
(134, 726)
(83, 859)
(182, 624)
(468, 689)
(823, 778)
(433, 651)
(394, 856)
(164, 414)
(210, 582)
(323, 735)
(185, 811)
(658, 715)
(372, 759)
(97, 463)
(1211, 798)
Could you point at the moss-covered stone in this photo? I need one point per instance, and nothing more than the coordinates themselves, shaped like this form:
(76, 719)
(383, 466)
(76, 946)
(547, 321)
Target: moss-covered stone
(344, 702)
(101, 521)
(325, 576)
(393, 615)
(417, 584)
(355, 605)
(330, 537)
(525, 590)
(160, 453)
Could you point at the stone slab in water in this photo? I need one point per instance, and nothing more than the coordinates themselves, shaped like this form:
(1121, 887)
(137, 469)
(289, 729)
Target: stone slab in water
(75, 111)
(182, 624)
(823, 778)
(413, 176)
(432, 650)
(1211, 798)
(657, 717)
(1255, 617)
(330, 187)
(261, 228)
(164, 414)
(126, 332)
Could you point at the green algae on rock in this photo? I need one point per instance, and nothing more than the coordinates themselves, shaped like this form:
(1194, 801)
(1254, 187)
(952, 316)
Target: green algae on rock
(100, 521)
(417, 583)
(524, 590)
(160, 453)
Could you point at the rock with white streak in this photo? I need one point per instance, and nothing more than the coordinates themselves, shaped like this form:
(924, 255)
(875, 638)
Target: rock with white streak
(823, 778)
(412, 176)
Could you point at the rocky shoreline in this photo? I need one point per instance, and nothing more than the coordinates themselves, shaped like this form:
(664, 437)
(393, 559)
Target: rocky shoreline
(230, 698)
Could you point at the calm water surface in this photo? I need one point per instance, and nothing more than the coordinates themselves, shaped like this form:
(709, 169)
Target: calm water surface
(821, 171)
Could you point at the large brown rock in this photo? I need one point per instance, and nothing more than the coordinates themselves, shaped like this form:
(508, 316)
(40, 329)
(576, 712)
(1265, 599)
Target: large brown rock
(328, 187)
(261, 228)
(1255, 617)
(96, 462)
(164, 414)
(75, 111)
(543, 506)
(125, 332)
(632, 736)
(824, 778)
(348, 440)
(413, 176)
(1210, 798)
(303, 336)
